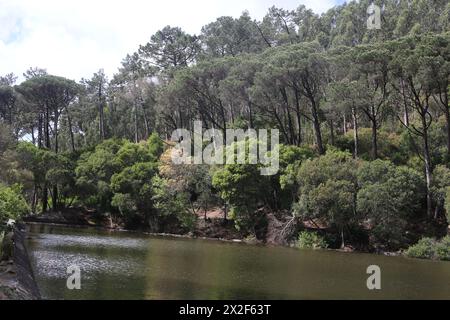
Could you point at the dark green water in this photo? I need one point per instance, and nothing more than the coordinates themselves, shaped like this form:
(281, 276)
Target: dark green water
(132, 266)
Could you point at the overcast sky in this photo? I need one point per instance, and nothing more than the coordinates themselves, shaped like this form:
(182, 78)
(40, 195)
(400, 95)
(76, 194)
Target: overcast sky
(75, 38)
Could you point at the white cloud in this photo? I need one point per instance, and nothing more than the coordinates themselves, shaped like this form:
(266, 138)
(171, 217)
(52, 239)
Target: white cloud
(75, 38)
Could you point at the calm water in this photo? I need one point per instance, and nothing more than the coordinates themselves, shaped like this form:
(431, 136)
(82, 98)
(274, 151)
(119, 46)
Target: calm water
(131, 266)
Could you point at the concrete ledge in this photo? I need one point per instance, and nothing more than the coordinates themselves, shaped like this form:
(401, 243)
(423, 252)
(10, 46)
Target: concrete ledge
(21, 259)
(16, 275)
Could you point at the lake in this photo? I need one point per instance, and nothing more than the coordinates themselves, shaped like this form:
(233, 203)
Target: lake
(122, 265)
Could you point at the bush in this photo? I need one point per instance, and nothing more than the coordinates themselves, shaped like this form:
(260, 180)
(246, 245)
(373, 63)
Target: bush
(390, 198)
(12, 203)
(443, 249)
(311, 240)
(422, 250)
(428, 248)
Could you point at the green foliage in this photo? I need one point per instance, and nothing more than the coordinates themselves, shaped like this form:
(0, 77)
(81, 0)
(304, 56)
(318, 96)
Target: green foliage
(289, 71)
(291, 158)
(390, 198)
(440, 189)
(447, 205)
(118, 175)
(328, 189)
(388, 144)
(95, 170)
(311, 240)
(132, 190)
(428, 248)
(12, 203)
(168, 202)
(245, 190)
(7, 140)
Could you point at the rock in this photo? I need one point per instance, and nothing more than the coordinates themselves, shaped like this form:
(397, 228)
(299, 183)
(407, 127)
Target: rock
(10, 270)
(7, 246)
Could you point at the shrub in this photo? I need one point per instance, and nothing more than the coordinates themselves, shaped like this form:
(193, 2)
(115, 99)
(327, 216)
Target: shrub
(12, 203)
(443, 249)
(311, 240)
(422, 250)
(428, 248)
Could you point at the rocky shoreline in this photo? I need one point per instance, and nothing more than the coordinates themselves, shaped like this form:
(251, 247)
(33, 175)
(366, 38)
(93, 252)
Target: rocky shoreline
(16, 275)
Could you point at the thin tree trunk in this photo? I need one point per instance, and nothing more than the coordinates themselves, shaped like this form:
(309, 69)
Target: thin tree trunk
(45, 198)
(72, 138)
(345, 123)
(374, 138)
(332, 132)
(55, 198)
(55, 131)
(428, 165)
(447, 119)
(47, 129)
(299, 119)
(34, 199)
(100, 112)
(405, 105)
(40, 124)
(146, 123)
(355, 132)
(33, 138)
(317, 130)
(136, 137)
(250, 114)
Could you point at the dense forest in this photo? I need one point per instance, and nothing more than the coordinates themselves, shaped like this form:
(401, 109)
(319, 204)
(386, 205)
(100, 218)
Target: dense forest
(363, 116)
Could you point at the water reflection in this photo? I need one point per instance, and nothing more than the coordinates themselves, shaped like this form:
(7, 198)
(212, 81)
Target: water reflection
(133, 266)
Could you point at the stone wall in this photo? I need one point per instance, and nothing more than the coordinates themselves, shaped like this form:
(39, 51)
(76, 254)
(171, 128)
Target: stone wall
(22, 261)
(16, 275)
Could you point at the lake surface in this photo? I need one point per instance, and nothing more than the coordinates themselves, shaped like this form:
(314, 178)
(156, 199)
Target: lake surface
(116, 265)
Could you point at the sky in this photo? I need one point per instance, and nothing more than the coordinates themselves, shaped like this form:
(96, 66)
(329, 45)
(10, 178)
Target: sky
(75, 38)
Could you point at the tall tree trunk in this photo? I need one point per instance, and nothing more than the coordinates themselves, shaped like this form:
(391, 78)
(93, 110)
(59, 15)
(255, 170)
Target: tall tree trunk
(55, 198)
(146, 123)
(40, 124)
(47, 129)
(316, 124)
(44, 198)
(55, 133)
(299, 118)
(428, 164)
(345, 123)
(250, 115)
(72, 138)
(332, 131)
(355, 132)
(34, 199)
(100, 112)
(447, 119)
(33, 137)
(373, 120)
(136, 136)
(405, 105)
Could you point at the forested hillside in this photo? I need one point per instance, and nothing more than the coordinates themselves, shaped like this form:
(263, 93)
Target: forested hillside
(363, 116)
